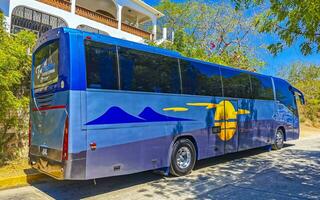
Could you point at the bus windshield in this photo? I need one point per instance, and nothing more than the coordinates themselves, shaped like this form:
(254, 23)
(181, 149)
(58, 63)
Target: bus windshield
(46, 61)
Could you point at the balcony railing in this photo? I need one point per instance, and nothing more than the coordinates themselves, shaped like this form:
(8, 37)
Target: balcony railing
(136, 31)
(66, 5)
(96, 17)
(62, 4)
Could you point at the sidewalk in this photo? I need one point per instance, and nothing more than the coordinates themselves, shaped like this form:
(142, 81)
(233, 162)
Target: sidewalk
(19, 173)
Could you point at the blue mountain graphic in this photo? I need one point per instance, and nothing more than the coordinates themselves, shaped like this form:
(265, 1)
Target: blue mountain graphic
(152, 116)
(115, 115)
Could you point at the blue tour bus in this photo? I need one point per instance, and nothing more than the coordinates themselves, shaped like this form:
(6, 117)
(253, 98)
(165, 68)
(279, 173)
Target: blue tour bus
(103, 107)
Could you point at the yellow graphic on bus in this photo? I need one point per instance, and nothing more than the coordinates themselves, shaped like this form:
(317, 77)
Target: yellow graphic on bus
(208, 105)
(176, 109)
(225, 117)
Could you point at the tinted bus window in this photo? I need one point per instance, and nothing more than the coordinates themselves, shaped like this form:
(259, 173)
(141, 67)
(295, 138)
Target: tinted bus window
(101, 61)
(200, 79)
(284, 95)
(236, 84)
(46, 61)
(147, 72)
(262, 87)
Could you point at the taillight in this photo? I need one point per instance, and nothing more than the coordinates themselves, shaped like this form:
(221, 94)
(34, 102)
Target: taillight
(65, 140)
(29, 133)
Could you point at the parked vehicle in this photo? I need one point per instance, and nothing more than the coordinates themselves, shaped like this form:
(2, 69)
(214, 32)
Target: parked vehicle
(104, 107)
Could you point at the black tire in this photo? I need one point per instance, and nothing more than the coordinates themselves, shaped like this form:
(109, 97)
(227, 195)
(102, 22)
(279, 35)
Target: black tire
(182, 147)
(279, 140)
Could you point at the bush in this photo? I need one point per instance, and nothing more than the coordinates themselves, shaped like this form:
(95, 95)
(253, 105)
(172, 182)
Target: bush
(15, 65)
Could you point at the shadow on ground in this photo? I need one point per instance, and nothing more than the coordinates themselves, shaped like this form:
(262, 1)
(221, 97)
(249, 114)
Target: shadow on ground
(257, 173)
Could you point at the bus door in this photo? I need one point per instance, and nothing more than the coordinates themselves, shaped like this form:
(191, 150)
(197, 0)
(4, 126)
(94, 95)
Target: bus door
(287, 114)
(226, 124)
(295, 122)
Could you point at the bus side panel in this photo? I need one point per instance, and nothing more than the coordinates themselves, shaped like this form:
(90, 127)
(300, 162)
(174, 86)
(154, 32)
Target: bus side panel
(296, 128)
(256, 128)
(288, 121)
(133, 133)
(287, 111)
(208, 144)
(124, 144)
(76, 164)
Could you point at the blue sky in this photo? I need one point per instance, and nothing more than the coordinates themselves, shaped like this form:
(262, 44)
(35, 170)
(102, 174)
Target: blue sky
(274, 63)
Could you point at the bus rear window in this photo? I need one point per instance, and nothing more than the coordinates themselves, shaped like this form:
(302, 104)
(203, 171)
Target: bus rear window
(46, 61)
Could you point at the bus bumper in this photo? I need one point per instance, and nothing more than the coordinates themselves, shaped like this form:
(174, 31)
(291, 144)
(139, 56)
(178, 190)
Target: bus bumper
(66, 170)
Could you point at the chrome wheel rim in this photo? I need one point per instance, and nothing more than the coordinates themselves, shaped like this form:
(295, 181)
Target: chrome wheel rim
(183, 158)
(279, 139)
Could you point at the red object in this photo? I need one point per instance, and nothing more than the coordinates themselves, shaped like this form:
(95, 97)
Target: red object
(93, 146)
(30, 131)
(88, 38)
(49, 108)
(212, 45)
(65, 140)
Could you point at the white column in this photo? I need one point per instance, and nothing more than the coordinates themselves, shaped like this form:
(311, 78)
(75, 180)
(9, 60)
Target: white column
(73, 6)
(137, 21)
(172, 38)
(8, 23)
(154, 29)
(164, 34)
(119, 15)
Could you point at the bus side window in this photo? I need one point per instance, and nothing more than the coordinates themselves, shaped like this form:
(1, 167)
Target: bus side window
(262, 87)
(147, 72)
(236, 84)
(101, 66)
(285, 96)
(200, 79)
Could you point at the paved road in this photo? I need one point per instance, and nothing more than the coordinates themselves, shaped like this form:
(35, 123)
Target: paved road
(291, 173)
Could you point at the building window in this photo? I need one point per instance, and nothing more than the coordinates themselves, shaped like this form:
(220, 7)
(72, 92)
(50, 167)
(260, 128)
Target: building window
(91, 29)
(38, 22)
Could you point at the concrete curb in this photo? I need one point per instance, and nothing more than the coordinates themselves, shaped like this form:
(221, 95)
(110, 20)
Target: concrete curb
(23, 180)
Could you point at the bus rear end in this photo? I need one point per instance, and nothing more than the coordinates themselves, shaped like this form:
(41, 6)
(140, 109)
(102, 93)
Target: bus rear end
(49, 123)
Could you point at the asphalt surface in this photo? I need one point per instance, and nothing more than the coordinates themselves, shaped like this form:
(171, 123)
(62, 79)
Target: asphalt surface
(291, 173)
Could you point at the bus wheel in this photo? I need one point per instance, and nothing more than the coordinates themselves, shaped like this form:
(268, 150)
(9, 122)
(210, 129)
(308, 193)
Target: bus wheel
(279, 140)
(183, 157)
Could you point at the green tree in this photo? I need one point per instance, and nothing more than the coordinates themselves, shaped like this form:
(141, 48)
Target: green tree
(307, 79)
(291, 20)
(211, 32)
(15, 65)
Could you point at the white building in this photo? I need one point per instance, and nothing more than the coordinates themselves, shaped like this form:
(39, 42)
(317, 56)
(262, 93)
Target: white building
(123, 19)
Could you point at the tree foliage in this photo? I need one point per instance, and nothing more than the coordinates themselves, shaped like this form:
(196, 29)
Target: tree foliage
(15, 65)
(292, 20)
(306, 78)
(211, 32)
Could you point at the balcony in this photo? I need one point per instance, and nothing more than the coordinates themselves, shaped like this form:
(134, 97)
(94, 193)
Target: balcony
(62, 4)
(136, 31)
(96, 17)
(101, 17)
